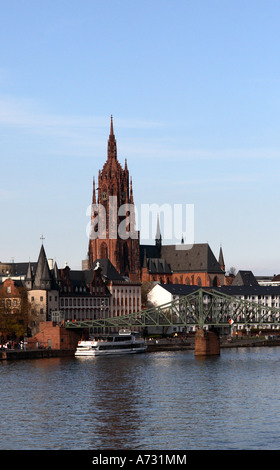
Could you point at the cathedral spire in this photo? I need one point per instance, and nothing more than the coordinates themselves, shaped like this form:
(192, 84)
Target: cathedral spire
(112, 129)
(112, 144)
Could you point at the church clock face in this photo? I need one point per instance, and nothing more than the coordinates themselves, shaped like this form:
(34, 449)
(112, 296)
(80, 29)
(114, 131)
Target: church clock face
(104, 196)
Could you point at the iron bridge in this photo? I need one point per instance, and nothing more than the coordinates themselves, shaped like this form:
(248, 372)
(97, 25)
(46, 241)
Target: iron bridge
(200, 308)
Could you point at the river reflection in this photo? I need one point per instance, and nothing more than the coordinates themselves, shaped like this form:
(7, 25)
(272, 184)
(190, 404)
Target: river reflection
(160, 401)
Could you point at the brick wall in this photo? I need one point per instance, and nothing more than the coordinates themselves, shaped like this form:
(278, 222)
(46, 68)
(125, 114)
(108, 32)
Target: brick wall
(53, 336)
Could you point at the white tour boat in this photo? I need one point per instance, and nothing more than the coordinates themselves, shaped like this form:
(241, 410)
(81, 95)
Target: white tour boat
(124, 342)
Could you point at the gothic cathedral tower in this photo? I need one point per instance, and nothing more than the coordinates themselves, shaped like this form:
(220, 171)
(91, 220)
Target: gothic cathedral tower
(113, 235)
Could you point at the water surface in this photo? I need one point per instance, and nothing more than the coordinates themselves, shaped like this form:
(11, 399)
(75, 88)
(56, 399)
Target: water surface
(160, 401)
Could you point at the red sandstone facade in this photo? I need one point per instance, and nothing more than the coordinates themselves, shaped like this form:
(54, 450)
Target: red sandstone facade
(114, 190)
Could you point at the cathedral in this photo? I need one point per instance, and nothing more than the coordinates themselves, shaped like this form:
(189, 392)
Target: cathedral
(114, 190)
(113, 207)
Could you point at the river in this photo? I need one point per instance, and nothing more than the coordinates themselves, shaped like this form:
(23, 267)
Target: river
(160, 401)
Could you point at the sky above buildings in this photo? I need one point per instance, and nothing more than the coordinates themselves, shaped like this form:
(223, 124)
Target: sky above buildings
(193, 86)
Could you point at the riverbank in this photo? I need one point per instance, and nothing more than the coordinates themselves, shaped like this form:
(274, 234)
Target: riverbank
(17, 354)
(170, 344)
(180, 345)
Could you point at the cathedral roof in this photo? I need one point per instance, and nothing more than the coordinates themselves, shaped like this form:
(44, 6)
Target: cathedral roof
(198, 258)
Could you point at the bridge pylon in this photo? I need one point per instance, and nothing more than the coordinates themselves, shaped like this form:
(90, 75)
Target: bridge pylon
(207, 343)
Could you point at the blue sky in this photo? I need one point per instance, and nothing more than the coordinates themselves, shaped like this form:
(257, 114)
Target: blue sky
(193, 86)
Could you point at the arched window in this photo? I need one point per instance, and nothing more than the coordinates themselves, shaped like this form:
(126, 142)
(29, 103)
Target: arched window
(216, 282)
(104, 251)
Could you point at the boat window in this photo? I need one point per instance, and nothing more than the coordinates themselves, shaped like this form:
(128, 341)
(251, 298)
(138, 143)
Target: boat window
(123, 338)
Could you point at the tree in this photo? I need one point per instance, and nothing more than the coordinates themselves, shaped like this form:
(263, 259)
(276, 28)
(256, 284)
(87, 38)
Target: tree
(232, 271)
(145, 289)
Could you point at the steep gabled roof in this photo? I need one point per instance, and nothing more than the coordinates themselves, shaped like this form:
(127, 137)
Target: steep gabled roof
(245, 278)
(198, 258)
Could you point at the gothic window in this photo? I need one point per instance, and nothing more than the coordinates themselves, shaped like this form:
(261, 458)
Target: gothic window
(104, 251)
(216, 281)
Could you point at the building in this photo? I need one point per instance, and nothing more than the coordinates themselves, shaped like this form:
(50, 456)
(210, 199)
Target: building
(125, 294)
(269, 280)
(245, 278)
(11, 296)
(63, 294)
(114, 193)
(268, 296)
(83, 295)
(162, 294)
(16, 271)
(96, 293)
(15, 314)
(195, 266)
(114, 208)
(42, 287)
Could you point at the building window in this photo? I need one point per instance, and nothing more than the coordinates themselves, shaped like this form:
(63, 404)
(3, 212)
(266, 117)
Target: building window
(8, 289)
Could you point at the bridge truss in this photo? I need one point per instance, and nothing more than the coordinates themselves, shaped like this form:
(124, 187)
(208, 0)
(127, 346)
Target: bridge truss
(200, 308)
